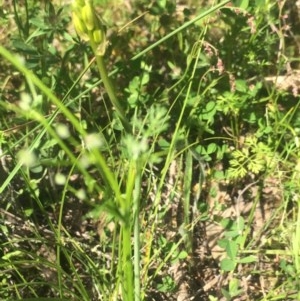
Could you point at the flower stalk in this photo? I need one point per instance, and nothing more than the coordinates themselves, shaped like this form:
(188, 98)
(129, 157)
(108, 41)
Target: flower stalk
(89, 27)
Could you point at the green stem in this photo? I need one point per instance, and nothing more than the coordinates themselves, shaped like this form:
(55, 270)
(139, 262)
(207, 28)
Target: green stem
(136, 231)
(110, 87)
(127, 273)
(128, 284)
(111, 92)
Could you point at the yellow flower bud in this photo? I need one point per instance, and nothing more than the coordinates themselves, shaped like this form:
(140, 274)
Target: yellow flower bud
(88, 16)
(80, 2)
(77, 5)
(80, 27)
(88, 26)
(98, 36)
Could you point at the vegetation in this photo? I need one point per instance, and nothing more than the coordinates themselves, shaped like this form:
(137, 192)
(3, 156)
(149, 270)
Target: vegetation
(151, 154)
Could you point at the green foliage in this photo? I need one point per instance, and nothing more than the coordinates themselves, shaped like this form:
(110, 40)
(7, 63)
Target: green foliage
(234, 240)
(106, 187)
(233, 289)
(254, 157)
(167, 285)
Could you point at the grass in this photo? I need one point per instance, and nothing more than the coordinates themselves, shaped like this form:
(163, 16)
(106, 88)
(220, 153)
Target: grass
(175, 176)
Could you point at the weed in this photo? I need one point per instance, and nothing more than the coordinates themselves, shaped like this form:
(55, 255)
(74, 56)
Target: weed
(174, 176)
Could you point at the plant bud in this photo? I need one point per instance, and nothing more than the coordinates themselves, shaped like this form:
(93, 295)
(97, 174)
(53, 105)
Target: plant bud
(88, 26)
(88, 16)
(77, 5)
(80, 3)
(80, 27)
(98, 36)
(101, 48)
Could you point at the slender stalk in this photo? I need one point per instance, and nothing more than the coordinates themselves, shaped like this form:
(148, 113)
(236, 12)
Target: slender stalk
(88, 25)
(110, 88)
(186, 200)
(126, 228)
(127, 285)
(181, 28)
(111, 92)
(136, 232)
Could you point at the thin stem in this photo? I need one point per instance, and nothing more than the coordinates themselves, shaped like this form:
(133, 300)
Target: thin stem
(181, 28)
(136, 231)
(111, 92)
(110, 88)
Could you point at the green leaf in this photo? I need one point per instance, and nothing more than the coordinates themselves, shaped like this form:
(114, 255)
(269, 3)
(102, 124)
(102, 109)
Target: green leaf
(22, 46)
(243, 4)
(287, 267)
(226, 294)
(212, 147)
(222, 243)
(145, 79)
(232, 249)
(248, 259)
(209, 112)
(183, 255)
(163, 143)
(237, 154)
(234, 162)
(231, 234)
(210, 106)
(167, 284)
(39, 23)
(234, 287)
(12, 255)
(162, 3)
(241, 85)
(228, 265)
(240, 224)
(28, 212)
(256, 166)
(219, 175)
(41, 299)
(260, 3)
